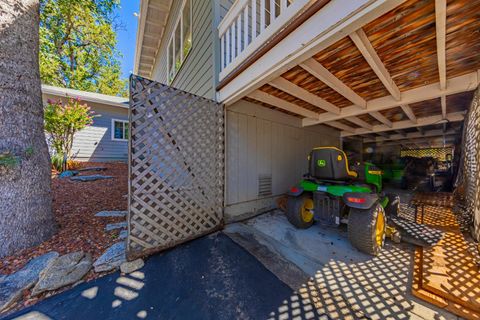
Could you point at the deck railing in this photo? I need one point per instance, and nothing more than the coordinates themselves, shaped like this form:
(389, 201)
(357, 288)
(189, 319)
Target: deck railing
(249, 24)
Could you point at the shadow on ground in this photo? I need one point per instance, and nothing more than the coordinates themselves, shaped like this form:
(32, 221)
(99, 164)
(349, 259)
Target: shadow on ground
(209, 278)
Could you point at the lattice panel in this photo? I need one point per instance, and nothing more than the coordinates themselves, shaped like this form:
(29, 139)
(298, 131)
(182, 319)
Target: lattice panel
(176, 166)
(469, 175)
(437, 153)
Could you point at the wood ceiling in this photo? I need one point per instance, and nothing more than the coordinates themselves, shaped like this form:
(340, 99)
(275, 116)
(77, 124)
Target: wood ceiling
(425, 45)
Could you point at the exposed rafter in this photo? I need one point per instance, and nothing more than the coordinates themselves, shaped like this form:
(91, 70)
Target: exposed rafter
(282, 104)
(411, 135)
(365, 47)
(408, 111)
(296, 91)
(340, 126)
(380, 117)
(455, 85)
(360, 122)
(453, 117)
(429, 142)
(441, 26)
(322, 74)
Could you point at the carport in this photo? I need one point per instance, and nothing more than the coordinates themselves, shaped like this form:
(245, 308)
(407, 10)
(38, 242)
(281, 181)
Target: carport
(381, 78)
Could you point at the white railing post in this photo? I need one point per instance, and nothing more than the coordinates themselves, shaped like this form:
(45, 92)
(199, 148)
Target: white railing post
(283, 6)
(262, 15)
(239, 34)
(254, 19)
(228, 58)
(245, 27)
(222, 52)
(272, 11)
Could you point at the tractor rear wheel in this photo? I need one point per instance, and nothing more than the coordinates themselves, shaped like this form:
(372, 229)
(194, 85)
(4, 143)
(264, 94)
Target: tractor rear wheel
(366, 229)
(300, 211)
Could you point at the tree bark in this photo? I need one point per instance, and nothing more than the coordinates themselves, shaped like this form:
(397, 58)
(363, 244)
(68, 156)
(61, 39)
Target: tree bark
(26, 216)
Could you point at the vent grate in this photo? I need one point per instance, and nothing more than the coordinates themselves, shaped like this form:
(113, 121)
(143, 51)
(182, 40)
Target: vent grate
(264, 185)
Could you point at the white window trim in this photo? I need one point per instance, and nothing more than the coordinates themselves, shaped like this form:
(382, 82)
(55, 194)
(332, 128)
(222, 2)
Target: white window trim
(113, 129)
(171, 41)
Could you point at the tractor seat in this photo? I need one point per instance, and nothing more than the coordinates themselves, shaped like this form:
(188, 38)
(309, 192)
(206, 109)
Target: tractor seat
(330, 163)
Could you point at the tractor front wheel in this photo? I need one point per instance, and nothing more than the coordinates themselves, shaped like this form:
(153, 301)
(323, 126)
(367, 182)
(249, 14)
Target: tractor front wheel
(300, 211)
(366, 229)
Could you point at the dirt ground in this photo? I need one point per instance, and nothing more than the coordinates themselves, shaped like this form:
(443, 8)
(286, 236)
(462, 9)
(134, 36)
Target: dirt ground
(75, 205)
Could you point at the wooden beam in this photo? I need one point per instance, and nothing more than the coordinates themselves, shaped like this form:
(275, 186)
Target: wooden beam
(455, 85)
(443, 100)
(380, 117)
(296, 91)
(441, 27)
(360, 122)
(322, 74)
(365, 47)
(452, 117)
(411, 135)
(430, 142)
(409, 112)
(283, 104)
(340, 126)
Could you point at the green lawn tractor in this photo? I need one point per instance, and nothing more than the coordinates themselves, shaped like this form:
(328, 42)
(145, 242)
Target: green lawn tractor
(333, 193)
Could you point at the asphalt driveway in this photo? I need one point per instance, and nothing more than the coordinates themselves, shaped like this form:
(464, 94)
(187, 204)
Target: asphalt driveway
(209, 278)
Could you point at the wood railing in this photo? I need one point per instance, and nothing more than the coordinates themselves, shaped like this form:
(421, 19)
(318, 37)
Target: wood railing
(249, 24)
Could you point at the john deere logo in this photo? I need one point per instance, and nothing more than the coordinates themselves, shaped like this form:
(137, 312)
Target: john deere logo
(321, 163)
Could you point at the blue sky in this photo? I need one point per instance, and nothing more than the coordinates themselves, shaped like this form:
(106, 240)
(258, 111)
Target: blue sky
(126, 35)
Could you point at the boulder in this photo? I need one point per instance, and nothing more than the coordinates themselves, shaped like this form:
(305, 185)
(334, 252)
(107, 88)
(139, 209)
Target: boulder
(131, 266)
(111, 214)
(118, 225)
(65, 270)
(123, 235)
(112, 258)
(68, 173)
(90, 178)
(11, 286)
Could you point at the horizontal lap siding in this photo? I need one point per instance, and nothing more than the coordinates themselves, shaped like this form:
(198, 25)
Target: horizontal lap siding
(196, 74)
(263, 146)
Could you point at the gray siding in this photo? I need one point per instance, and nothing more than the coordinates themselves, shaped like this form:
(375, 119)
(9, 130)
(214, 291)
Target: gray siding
(196, 74)
(265, 142)
(94, 143)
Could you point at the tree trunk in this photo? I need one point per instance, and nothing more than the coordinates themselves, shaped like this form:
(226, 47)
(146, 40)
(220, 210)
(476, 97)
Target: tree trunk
(26, 217)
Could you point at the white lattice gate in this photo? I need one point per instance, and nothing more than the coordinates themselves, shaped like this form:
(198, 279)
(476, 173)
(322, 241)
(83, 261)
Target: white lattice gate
(176, 165)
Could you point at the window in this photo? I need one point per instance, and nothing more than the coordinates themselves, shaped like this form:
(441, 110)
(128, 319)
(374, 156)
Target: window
(181, 41)
(120, 130)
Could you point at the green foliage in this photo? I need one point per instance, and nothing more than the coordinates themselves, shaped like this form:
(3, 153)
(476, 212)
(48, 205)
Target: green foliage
(8, 160)
(62, 121)
(77, 46)
(57, 161)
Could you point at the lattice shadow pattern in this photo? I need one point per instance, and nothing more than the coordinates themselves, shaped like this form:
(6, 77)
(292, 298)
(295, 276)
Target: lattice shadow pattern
(176, 166)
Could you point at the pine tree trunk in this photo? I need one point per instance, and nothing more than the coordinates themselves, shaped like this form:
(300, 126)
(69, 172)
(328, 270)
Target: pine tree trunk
(26, 217)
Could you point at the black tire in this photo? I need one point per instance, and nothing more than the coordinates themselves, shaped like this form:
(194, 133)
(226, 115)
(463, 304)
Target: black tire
(393, 207)
(362, 229)
(294, 211)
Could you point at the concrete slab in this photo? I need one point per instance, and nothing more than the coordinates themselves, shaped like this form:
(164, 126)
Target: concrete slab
(209, 278)
(344, 283)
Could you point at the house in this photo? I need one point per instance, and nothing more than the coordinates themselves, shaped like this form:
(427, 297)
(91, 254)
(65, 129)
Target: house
(107, 138)
(379, 78)
(294, 74)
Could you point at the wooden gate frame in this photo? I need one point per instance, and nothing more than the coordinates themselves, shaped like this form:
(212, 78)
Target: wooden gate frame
(176, 167)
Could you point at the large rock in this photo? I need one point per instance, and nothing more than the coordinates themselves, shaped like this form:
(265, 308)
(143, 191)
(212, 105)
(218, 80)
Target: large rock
(117, 225)
(112, 258)
(11, 286)
(90, 178)
(131, 266)
(123, 234)
(65, 270)
(111, 214)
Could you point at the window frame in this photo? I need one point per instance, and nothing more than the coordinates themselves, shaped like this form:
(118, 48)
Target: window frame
(125, 124)
(171, 42)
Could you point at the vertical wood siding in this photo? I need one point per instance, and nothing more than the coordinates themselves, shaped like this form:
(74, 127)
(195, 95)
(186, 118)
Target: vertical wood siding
(196, 74)
(259, 145)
